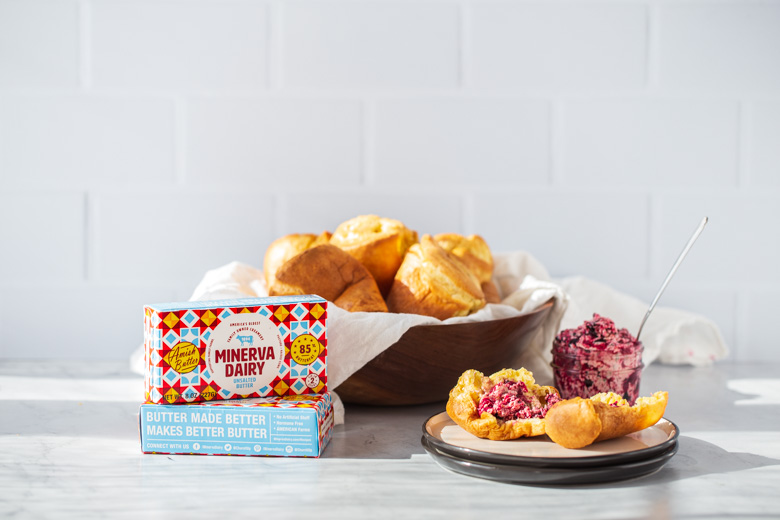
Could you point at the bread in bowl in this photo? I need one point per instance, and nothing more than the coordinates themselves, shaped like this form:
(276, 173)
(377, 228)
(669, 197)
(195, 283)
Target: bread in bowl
(433, 282)
(472, 250)
(333, 274)
(286, 247)
(378, 243)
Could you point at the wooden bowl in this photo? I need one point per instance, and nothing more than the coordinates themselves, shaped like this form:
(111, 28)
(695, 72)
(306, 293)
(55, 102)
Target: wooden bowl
(424, 365)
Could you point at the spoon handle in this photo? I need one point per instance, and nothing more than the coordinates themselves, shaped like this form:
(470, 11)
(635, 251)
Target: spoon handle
(672, 271)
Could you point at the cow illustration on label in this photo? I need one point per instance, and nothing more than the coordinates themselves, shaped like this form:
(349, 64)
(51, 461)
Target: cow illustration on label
(245, 340)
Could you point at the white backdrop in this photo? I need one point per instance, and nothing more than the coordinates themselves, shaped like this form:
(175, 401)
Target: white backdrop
(144, 142)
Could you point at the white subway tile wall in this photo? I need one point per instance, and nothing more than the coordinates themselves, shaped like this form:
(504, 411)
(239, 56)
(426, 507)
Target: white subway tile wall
(179, 46)
(719, 46)
(39, 43)
(478, 142)
(651, 143)
(596, 233)
(370, 45)
(173, 236)
(764, 142)
(85, 140)
(143, 143)
(552, 46)
(267, 142)
(42, 236)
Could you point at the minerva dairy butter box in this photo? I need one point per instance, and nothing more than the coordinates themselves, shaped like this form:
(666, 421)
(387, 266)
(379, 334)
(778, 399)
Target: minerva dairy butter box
(290, 426)
(227, 349)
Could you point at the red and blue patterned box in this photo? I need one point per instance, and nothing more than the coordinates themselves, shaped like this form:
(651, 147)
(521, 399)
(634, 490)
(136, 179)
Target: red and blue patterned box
(240, 348)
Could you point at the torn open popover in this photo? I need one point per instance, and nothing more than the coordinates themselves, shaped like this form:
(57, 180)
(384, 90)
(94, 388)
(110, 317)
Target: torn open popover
(506, 405)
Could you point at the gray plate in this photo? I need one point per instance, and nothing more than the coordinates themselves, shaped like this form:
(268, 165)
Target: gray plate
(534, 475)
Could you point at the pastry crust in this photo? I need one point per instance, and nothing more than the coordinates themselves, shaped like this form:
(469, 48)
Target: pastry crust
(433, 282)
(463, 403)
(331, 273)
(378, 243)
(472, 250)
(576, 423)
(286, 247)
(491, 292)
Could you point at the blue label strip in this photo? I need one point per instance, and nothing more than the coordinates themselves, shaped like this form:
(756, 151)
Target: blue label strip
(227, 430)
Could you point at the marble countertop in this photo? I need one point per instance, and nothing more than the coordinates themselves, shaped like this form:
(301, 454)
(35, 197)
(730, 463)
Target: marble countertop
(69, 447)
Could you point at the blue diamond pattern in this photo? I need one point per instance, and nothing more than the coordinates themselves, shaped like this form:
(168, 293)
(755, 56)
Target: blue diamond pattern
(171, 376)
(283, 330)
(189, 318)
(171, 338)
(298, 386)
(317, 329)
(264, 312)
(299, 311)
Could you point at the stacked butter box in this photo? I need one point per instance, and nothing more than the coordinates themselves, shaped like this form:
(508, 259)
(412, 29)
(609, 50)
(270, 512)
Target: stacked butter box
(237, 377)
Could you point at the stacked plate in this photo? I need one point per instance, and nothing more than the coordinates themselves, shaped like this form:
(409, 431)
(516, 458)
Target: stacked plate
(539, 461)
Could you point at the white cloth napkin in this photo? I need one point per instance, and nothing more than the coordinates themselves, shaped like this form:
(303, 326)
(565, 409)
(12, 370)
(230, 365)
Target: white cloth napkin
(673, 336)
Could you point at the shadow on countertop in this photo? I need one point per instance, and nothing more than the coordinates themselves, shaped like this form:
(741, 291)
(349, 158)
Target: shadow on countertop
(380, 432)
(695, 458)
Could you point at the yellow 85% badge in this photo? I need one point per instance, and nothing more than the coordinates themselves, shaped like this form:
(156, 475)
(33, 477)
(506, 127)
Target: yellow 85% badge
(305, 349)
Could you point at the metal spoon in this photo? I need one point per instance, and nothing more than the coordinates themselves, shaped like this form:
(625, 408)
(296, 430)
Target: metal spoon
(672, 271)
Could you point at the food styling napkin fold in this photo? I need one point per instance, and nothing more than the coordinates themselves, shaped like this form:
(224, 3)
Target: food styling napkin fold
(670, 335)
(355, 338)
